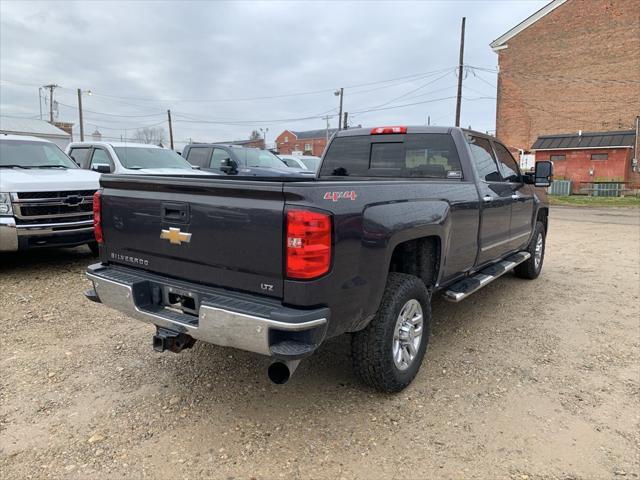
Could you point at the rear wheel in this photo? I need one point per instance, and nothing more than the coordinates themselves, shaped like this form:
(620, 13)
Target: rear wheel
(533, 266)
(388, 353)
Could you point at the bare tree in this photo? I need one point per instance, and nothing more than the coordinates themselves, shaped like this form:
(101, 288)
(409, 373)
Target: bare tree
(150, 135)
(255, 135)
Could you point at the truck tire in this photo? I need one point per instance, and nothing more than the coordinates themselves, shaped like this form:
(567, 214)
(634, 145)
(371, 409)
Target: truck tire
(533, 266)
(387, 354)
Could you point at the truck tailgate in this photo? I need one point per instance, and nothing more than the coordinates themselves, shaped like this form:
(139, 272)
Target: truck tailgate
(216, 232)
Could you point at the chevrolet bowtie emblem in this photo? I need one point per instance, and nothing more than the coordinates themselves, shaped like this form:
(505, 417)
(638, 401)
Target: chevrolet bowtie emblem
(175, 236)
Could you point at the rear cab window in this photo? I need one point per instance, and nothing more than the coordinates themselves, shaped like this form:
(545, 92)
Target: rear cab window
(412, 155)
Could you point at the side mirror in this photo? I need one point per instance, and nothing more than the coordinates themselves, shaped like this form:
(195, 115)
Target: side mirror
(543, 173)
(228, 166)
(101, 168)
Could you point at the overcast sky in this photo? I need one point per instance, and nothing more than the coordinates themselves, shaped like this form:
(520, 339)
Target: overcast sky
(212, 63)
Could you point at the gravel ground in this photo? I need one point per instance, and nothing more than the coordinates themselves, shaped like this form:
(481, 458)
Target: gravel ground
(525, 380)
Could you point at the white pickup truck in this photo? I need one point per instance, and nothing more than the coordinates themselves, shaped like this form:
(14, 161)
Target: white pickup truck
(129, 158)
(45, 199)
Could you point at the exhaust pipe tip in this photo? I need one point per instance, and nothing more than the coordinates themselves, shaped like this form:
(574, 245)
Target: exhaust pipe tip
(280, 372)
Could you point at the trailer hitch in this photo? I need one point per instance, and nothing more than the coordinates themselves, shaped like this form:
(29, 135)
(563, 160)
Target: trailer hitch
(173, 341)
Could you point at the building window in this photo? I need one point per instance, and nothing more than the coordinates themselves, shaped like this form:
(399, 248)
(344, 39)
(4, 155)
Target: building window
(286, 139)
(307, 147)
(553, 158)
(599, 156)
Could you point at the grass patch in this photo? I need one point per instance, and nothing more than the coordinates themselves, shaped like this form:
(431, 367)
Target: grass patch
(585, 201)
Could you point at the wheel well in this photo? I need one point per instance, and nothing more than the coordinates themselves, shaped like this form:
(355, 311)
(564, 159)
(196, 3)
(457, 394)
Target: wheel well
(419, 257)
(543, 216)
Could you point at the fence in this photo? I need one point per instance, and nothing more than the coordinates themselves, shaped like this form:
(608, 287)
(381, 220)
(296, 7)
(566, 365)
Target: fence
(560, 187)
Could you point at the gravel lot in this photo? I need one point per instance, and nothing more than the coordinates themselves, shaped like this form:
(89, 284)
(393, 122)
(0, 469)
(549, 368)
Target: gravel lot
(525, 380)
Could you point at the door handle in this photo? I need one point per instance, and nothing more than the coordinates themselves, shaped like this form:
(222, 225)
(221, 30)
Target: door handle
(487, 198)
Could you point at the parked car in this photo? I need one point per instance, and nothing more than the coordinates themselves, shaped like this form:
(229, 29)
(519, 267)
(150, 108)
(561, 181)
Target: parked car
(129, 158)
(45, 199)
(396, 216)
(238, 160)
(306, 162)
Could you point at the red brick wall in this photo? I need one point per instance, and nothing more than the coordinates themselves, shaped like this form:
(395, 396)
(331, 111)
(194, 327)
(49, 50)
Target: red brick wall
(578, 163)
(589, 43)
(286, 148)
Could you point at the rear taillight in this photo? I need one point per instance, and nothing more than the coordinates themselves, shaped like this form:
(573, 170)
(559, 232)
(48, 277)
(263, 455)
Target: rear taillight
(388, 130)
(308, 244)
(97, 217)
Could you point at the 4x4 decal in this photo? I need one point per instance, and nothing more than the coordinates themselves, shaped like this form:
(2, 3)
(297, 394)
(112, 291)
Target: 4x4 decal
(335, 196)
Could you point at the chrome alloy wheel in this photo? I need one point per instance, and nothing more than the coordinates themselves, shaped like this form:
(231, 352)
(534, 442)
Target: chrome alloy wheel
(407, 334)
(537, 255)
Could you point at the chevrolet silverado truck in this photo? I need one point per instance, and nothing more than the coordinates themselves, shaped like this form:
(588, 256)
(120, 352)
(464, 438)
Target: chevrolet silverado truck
(45, 199)
(394, 216)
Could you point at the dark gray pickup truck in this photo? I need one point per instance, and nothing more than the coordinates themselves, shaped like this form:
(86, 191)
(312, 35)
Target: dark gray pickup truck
(274, 266)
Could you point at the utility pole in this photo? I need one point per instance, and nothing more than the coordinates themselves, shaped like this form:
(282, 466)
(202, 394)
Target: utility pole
(51, 88)
(80, 115)
(327, 131)
(40, 100)
(339, 93)
(264, 136)
(460, 69)
(428, 120)
(170, 129)
(344, 122)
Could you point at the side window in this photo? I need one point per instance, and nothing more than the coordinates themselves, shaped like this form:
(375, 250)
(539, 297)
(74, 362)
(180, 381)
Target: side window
(100, 157)
(508, 164)
(80, 156)
(199, 156)
(483, 160)
(218, 156)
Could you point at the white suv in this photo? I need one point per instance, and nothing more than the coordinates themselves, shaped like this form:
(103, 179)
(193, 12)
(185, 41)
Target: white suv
(129, 158)
(45, 199)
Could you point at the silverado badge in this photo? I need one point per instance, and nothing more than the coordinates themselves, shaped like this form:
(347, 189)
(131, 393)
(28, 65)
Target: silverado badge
(175, 236)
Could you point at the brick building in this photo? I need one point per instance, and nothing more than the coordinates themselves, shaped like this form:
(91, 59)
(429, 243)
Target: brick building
(251, 143)
(586, 157)
(573, 65)
(310, 142)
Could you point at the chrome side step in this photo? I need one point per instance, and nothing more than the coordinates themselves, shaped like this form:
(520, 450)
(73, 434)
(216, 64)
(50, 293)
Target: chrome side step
(462, 289)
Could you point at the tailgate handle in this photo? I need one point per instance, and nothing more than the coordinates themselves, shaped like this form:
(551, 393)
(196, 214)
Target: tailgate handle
(175, 212)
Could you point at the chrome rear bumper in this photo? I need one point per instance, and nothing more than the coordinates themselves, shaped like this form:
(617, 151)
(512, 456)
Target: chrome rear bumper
(255, 324)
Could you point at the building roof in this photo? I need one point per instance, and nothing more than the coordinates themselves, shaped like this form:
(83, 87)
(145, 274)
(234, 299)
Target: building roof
(500, 42)
(571, 141)
(30, 126)
(22, 138)
(322, 133)
(243, 142)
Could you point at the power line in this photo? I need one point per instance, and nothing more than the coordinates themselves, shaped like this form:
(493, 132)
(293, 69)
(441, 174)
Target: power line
(114, 114)
(267, 97)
